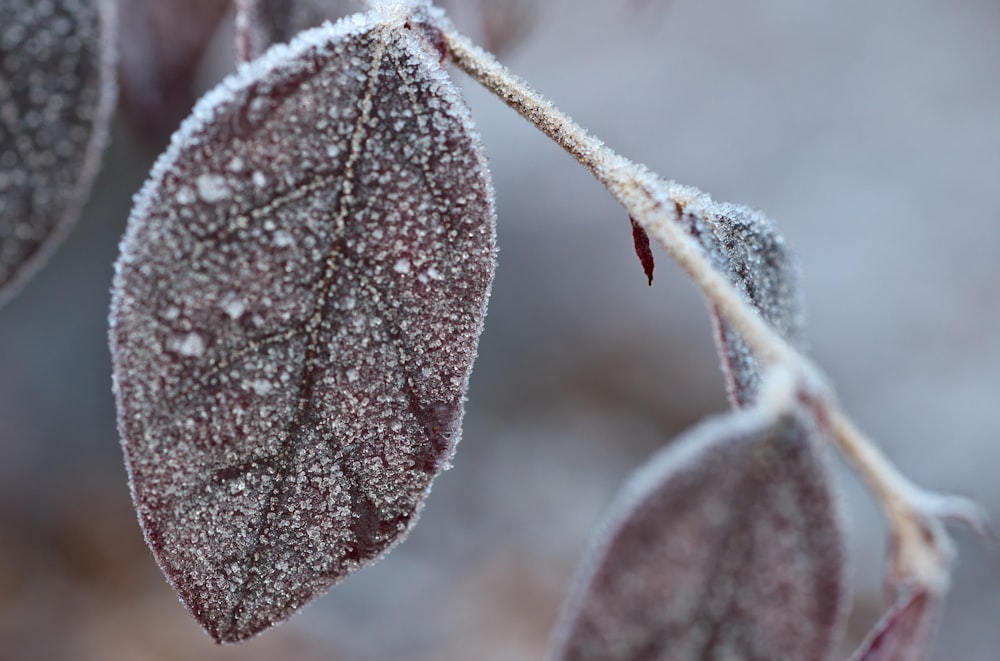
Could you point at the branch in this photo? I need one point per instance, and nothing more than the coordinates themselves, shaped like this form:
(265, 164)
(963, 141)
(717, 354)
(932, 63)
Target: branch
(921, 551)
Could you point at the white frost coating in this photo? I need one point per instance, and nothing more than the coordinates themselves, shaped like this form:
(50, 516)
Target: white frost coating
(402, 266)
(233, 305)
(283, 239)
(262, 386)
(191, 345)
(185, 195)
(212, 188)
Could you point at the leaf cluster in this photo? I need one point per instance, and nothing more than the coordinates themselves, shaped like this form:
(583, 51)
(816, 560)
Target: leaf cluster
(296, 311)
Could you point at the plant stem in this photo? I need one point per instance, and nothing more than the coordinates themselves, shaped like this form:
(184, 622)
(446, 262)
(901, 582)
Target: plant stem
(921, 550)
(646, 197)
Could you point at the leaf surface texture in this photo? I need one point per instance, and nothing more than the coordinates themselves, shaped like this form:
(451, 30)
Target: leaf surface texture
(296, 310)
(726, 545)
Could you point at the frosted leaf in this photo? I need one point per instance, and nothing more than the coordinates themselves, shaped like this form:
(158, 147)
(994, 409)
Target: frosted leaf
(745, 245)
(56, 98)
(162, 43)
(726, 545)
(904, 633)
(266, 337)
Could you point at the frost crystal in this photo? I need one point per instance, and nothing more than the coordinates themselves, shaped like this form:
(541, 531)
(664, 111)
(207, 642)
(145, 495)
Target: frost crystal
(286, 389)
(726, 545)
(56, 97)
(212, 188)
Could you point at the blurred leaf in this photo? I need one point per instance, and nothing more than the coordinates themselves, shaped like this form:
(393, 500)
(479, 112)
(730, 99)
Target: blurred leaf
(162, 44)
(745, 245)
(261, 23)
(56, 97)
(296, 311)
(497, 24)
(904, 633)
(504, 23)
(726, 545)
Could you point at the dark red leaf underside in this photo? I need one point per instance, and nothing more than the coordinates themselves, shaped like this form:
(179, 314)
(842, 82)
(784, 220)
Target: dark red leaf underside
(56, 96)
(642, 249)
(904, 633)
(726, 545)
(296, 311)
(745, 246)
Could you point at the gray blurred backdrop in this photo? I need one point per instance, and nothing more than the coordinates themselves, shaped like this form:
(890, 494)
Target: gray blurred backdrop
(870, 131)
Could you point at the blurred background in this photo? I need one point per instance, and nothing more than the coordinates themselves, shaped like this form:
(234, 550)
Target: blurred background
(870, 131)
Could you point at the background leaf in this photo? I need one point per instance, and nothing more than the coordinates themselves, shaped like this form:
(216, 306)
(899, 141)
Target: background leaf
(497, 24)
(726, 545)
(296, 310)
(162, 44)
(745, 245)
(261, 23)
(56, 97)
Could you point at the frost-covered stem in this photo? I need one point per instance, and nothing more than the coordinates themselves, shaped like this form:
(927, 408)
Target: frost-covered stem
(647, 198)
(922, 550)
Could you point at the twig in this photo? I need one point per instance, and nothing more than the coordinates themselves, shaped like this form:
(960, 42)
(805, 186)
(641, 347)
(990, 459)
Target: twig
(921, 550)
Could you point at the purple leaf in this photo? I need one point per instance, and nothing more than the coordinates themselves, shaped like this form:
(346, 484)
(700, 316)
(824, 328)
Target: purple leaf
(296, 310)
(642, 249)
(56, 97)
(726, 545)
(745, 246)
(904, 632)
(261, 23)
